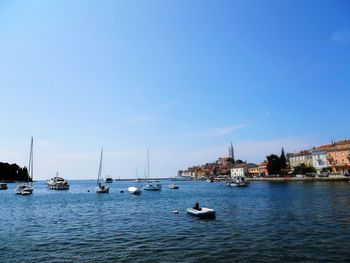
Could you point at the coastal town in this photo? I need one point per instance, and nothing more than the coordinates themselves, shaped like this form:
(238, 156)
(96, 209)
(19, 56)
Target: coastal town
(329, 160)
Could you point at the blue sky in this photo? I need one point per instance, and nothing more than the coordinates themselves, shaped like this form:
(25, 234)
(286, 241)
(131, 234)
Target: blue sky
(184, 78)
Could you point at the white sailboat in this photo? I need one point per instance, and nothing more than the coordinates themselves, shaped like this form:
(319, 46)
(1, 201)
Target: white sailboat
(100, 188)
(27, 188)
(150, 186)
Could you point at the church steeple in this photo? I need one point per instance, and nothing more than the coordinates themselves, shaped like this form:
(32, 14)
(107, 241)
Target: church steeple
(231, 152)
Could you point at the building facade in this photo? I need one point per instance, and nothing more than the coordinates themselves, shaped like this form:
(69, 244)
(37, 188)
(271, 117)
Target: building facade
(300, 158)
(319, 158)
(338, 157)
(240, 170)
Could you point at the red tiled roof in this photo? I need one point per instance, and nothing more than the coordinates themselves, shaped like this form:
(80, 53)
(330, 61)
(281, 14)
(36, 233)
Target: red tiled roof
(264, 163)
(324, 146)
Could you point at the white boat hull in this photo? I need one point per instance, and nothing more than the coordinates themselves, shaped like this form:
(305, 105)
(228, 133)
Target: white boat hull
(58, 187)
(204, 212)
(134, 190)
(24, 190)
(102, 189)
(173, 186)
(153, 187)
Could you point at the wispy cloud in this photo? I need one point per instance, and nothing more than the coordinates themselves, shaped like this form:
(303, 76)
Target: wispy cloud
(218, 132)
(341, 38)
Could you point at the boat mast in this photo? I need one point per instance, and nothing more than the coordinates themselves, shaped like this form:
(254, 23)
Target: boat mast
(100, 168)
(148, 163)
(30, 166)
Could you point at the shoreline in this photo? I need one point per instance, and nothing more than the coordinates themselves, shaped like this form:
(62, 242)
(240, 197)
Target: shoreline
(307, 179)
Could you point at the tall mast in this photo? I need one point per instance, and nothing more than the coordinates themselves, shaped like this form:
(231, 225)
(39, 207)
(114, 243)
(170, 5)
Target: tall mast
(30, 165)
(100, 168)
(148, 162)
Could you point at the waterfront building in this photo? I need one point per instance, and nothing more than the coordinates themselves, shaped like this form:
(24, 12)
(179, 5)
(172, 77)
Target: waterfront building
(299, 158)
(241, 169)
(263, 168)
(338, 157)
(319, 157)
(254, 171)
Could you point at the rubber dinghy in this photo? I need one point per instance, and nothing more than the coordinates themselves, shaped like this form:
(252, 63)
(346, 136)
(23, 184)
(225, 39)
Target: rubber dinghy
(203, 212)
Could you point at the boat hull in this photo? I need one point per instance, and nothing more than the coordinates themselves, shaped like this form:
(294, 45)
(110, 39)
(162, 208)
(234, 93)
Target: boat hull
(3, 186)
(108, 180)
(102, 190)
(24, 190)
(59, 187)
(152, 187)
(134, 190)
(203, 213)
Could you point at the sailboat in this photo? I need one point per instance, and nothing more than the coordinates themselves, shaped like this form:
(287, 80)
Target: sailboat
(101, 189)
(27, 188)
(150, 186)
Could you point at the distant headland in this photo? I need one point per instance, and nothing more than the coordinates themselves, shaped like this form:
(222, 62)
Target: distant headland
(13, 173)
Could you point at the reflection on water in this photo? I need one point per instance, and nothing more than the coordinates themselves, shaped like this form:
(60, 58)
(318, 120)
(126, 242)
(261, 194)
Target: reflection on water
(263, 222)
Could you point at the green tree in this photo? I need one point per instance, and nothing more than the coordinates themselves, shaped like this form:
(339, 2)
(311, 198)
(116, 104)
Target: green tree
(303, 169)
(283, 160)
(274, 164)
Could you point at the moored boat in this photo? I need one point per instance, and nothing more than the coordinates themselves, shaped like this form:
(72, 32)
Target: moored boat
(201, 212)
(173, 186)
(101, 189)
(108, 180)
(238, 182)
(3, 186)
(58, 183)
(134, 190)
(27, 188)
(150, 185)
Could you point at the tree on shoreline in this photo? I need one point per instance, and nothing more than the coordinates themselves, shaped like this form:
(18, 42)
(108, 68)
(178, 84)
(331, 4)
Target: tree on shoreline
(283, 160)
(274, 164)
(12, 173)
(303, 169)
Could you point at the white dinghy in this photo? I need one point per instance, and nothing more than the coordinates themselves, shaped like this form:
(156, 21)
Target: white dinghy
(134, 190)
(201, 212)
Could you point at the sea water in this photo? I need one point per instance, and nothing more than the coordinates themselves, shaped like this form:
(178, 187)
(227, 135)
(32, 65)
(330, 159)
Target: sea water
(275, 222)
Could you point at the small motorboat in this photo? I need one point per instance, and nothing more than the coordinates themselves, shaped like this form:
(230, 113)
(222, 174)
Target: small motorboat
(108, 180)
(58, 183)
(238, 182)
(173, 186)
(134, 190)
(152, 187)
(3, 186)
(24, 190)
(204, 212)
